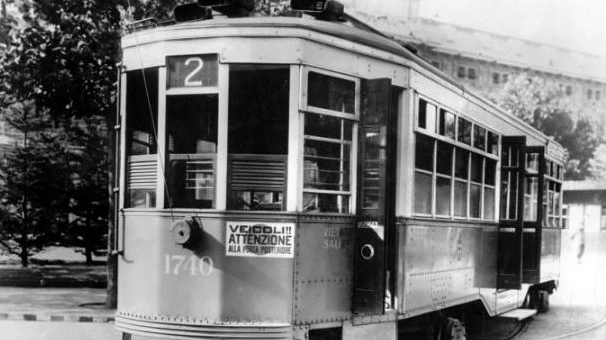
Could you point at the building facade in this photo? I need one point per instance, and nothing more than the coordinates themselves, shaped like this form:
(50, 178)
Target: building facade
(585, 205)
(486, 61)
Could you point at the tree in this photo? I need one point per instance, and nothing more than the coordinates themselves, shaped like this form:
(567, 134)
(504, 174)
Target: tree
(32, 197)
(542, 104)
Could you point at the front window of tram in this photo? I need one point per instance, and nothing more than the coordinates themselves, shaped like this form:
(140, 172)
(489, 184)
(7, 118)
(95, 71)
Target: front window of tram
(258, 136)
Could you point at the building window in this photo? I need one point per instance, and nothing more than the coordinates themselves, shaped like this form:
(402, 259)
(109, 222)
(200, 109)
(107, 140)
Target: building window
(504, 77)
(451, 180)
(461, 71)
(472, 73)
(597, 95)
(569, 90)
(589, 94)
(495, 78)
(328, 137)
(437, 64)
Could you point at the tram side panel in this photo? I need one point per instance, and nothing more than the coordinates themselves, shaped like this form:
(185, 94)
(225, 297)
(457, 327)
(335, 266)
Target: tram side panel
(162, 281)
(440, 265)
(323, 269)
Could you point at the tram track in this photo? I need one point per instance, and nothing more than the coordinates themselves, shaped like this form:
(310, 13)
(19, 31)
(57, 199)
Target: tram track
(589, 328)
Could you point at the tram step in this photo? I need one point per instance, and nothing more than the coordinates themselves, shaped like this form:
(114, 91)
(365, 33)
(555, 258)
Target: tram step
(519, 314)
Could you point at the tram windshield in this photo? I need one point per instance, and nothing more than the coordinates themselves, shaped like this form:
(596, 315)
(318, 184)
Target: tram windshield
(257, 136)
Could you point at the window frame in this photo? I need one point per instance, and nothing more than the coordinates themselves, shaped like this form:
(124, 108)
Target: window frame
(456, 145)
(304, 108)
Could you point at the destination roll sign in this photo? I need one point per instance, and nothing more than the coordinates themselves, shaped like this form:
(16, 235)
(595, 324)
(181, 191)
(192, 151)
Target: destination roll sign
(192, 71)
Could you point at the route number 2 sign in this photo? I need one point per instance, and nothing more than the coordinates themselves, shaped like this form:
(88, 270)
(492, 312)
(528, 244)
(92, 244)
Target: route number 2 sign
(192, 71)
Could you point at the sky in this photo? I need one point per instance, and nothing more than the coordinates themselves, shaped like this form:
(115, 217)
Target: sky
(576, 24)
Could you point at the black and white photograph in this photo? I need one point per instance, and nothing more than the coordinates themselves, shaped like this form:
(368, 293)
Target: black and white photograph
(302, 169)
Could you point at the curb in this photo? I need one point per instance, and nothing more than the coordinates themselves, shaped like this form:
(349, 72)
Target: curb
(58, 317)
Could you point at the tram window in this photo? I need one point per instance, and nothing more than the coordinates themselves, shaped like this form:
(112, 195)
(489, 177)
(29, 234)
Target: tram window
(447, 124)
(461, 165)
(141, 127)
(331, 93)
(460, 202)
(476, 168)
(464, 131)
(191, 125)
(424, 153)
(258, 136)
(327, 143)
(532, 162)
(492, 143)
(479, 137)
(531, 198)
(423, 198)
(427, 116)
(444, 159)
(443, 188)
(444, 178)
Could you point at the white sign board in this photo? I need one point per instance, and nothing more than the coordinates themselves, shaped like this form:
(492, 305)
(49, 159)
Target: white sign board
(258, 239)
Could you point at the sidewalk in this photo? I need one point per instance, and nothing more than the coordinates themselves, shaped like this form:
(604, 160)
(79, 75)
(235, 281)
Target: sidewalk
(54, 304)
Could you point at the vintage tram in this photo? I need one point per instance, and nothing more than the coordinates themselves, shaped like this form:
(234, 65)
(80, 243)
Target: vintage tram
(294, 178)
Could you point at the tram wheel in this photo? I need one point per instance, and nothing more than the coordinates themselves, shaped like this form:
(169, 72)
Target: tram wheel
(453, 329)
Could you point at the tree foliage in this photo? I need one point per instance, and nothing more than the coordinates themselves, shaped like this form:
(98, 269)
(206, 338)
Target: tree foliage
(543, 105)
(33, 195)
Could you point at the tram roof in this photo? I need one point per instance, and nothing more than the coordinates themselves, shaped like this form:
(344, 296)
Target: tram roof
(338, 30)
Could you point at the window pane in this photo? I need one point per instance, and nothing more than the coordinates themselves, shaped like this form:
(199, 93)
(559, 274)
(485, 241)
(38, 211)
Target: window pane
(444, 159)
(326, 165)
(331, 93)
(475, 200)
(427, 116)
(492, 143)
(513, 196)
(461, 165)
(313, 202)
(443, 196)
(422, 193)
(447, 124)
(460, 199)
(490, 172)
(373, 156)
(532, 162)
(258, 109)
(479, 137)
(464, 131)
(328, 127)
(258, 136)
(489, 204)
(142, 111)
(476, 168)
(191, 124)
(504, 211)
(424, 152)
(141, 141)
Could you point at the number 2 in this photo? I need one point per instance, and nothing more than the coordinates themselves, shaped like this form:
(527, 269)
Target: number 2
(188, 81)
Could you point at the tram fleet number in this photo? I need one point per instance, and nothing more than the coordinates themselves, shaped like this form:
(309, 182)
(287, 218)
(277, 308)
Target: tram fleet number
(177, 264)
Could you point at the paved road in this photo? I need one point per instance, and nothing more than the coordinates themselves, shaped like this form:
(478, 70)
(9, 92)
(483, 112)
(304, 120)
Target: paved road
(580, 301)
(30, 330)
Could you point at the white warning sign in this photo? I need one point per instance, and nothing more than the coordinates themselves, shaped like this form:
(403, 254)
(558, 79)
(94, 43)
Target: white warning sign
(257, 239)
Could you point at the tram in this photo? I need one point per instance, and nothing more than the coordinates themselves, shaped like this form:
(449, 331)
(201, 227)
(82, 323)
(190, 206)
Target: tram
(308, 178)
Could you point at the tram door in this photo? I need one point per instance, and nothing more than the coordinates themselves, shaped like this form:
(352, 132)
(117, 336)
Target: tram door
(375, 230)
(533, 213)
(510, 230)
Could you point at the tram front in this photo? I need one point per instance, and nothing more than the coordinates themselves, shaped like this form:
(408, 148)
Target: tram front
(236, 152)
